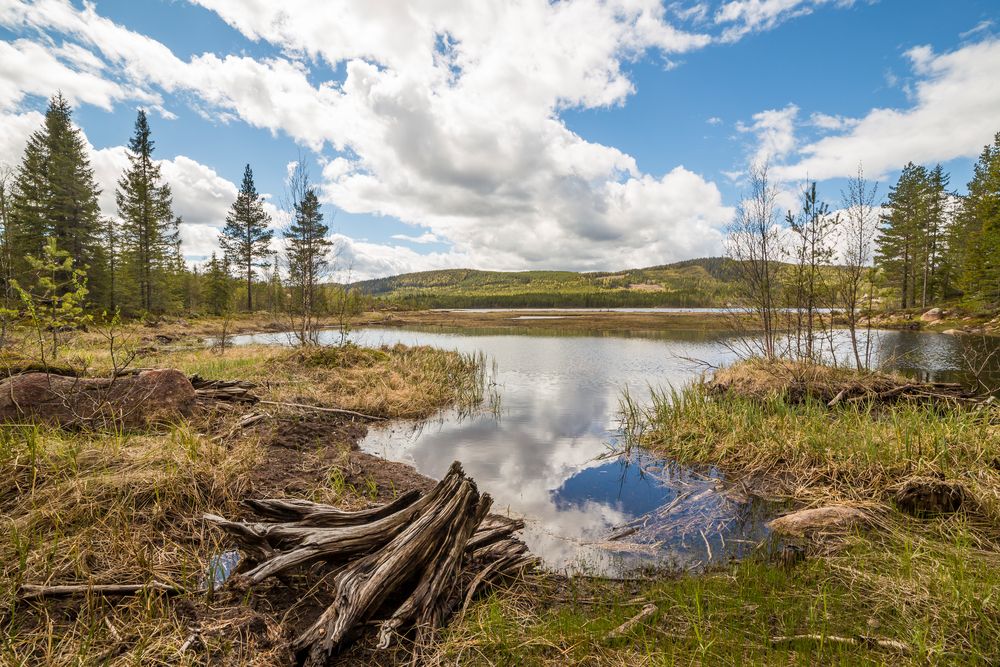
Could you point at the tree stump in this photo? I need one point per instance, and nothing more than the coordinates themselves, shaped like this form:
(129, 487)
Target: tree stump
(429, 554)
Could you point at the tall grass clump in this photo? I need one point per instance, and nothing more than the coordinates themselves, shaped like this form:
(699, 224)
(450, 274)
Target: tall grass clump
(90, 507)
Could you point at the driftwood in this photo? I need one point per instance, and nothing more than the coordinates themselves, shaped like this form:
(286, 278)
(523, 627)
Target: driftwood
(647, 611)
(928, 392)
(235, 391)
(32, 591)
(860, 640)
(409, 564)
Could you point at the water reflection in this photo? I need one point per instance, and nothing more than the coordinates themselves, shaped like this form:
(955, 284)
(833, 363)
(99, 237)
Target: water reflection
(545, 459)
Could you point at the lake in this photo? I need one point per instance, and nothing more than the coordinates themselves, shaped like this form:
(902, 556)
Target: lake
(547, 454)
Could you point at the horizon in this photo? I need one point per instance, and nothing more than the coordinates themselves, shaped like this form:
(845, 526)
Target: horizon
(625, 147)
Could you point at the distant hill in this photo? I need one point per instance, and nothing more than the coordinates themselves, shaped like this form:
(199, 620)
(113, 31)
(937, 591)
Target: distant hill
(691, 283)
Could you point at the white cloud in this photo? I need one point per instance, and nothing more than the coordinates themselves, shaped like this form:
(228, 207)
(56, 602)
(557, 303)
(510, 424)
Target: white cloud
(954, 114)
(426, 237)
(985, 25)
(828, 122)
(714, 120)
(742, 17)
(774, 130)
(448, 118)
(30, 68)
(15, 128)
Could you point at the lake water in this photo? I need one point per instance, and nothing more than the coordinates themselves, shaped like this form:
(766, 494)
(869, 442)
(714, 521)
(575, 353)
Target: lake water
(547, 455)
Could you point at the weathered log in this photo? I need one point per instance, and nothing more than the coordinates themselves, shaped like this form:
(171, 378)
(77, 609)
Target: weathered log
(148, 397)
(236, 391)
(430, 554)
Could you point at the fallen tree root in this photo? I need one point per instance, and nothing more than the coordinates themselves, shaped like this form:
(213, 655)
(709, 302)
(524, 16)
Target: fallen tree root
(407, 565)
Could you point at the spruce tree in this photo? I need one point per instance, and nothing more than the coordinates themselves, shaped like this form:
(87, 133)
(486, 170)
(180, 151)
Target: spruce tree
(216, 292)
(976, 251)
(149, 229)
(900, 245)
(55, 198)
(246, 238)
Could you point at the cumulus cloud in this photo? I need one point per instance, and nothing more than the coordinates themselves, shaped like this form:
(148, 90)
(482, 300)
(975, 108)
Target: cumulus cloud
(954, 114)
(741, 17)
(447, 117)
(774, 131)
(426, 237)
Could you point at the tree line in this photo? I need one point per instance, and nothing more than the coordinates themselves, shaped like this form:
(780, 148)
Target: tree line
(924, 245)
(936, 245)
(54, 240)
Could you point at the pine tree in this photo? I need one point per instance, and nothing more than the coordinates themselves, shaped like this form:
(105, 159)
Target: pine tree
(246, 238)
(308, 250)
(149, 229)
(55, 198)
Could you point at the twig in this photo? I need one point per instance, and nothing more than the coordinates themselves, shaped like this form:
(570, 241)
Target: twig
(339, 411)
(860, 640)
(644, 613)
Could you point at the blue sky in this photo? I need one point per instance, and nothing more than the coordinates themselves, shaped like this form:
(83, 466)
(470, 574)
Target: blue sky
(585, 134)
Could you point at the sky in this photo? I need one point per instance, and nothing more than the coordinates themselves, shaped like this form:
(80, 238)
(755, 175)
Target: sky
(508, 134)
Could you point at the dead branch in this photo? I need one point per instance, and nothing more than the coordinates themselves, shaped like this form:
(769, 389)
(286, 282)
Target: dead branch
(32, 591)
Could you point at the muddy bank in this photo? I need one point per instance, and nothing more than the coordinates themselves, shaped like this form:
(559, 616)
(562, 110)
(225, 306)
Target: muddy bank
(316, 449)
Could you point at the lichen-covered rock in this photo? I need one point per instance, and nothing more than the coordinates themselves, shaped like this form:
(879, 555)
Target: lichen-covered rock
(148, 397)
(818, 520)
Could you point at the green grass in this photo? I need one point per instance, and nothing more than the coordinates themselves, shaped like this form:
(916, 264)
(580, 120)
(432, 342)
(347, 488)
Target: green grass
(928, 584)
(734, 616)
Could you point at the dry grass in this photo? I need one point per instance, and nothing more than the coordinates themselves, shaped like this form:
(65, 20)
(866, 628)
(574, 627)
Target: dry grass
(125, 507)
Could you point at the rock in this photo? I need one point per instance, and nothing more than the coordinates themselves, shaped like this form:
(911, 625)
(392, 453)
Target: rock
(953, 332)
(148, 397)
(819, 519)
(926, 496)
(932, 315)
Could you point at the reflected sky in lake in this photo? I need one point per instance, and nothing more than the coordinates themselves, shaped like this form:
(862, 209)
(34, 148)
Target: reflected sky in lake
(545, 458)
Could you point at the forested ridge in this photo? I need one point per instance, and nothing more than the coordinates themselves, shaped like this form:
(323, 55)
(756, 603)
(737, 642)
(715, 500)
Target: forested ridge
(930, 245)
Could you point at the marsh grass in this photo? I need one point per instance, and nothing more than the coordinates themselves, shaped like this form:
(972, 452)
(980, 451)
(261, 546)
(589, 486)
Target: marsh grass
(733, 615)
(84, 507)
(925, 582)
(118, 506)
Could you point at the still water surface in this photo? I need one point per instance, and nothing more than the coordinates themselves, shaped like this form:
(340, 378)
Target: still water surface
(547, 457)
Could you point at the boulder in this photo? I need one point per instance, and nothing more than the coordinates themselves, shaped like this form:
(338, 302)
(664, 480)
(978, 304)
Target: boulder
(136, 400)
(831, 518)
(953, 332)
(932, 315)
